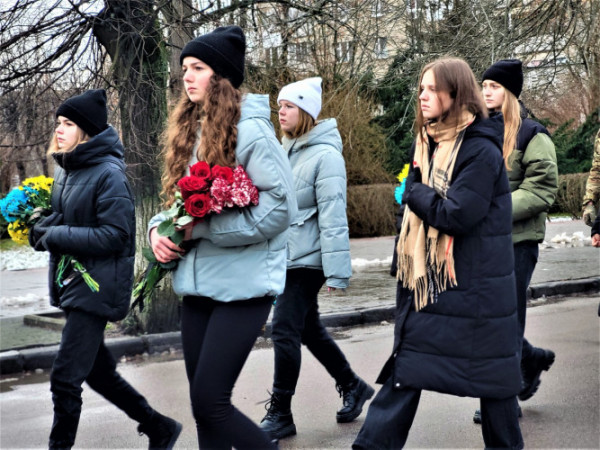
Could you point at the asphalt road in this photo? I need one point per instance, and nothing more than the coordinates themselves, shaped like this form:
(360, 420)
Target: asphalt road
(563, 414)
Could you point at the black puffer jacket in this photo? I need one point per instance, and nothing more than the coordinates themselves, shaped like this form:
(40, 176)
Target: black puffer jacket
(92, 193)
(467, 343)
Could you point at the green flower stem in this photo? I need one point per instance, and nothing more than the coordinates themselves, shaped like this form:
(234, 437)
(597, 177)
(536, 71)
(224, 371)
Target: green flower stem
(65, 260)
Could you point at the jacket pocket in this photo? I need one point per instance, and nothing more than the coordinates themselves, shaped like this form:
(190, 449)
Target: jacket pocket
(303, 215)
(302, 233)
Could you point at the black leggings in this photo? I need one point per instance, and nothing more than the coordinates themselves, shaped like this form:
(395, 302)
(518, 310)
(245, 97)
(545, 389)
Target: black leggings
(217, 338)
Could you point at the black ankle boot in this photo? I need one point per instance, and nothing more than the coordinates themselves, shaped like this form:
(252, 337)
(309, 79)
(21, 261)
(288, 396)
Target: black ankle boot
(354, 397)
(161, 430)
(278, 421)
(531, 370)
(477, 415)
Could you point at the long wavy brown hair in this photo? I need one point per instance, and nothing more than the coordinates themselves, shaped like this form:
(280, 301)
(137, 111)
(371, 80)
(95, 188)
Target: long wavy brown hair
(454, 76)
(217, 116)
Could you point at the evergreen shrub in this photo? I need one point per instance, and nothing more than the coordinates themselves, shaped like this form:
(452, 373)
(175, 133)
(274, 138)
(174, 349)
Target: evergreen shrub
(571, 188)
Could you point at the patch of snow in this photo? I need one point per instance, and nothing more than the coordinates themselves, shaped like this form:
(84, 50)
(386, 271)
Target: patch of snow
(560, 219)
(577, 239)
(24, 304)
(361, 263)
(23, 258)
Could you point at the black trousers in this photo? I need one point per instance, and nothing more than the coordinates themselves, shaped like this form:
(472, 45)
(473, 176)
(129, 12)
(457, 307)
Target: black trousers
(526, 256)
(82, 356)
(217, 338)
(296, 321)
(392, 411)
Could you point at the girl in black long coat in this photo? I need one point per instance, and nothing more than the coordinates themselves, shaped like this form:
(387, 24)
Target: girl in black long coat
(456, 317)
(93, 220)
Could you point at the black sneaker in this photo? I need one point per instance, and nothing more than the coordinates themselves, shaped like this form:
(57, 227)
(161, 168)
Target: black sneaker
(162, 432)
(477, 415)
(354, 397)
(531, 370)
(278, 422)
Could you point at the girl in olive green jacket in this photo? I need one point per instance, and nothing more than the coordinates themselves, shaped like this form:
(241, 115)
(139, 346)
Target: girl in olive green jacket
(530, 158)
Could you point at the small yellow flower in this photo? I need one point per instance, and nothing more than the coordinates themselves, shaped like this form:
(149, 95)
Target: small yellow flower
(40, 182)
(402, 175)
(18, 232)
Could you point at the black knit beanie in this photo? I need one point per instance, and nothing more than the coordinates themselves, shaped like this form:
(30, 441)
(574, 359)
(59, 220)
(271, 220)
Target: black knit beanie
(223, 50)
(507, 72)
(87, 110)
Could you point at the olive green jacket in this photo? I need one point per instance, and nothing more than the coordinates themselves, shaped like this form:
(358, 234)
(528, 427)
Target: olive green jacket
(533, 178)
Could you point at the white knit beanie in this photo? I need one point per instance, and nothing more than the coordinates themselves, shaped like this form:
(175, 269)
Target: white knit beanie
(305, 94)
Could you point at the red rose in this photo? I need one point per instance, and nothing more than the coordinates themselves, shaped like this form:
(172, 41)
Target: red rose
(200, 169)
(225, 173)
(192, 185)
(198, 205)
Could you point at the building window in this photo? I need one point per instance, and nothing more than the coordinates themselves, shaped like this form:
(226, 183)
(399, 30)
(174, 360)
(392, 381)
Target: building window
(378, 8)
(344, 51)
(532, 79)
(341, 12)
(381, 51)
(272, 55)
(300, 51)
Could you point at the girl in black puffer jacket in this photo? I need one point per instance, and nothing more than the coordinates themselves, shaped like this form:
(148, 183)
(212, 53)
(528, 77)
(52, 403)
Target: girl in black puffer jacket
(93, 220)
(456, 307)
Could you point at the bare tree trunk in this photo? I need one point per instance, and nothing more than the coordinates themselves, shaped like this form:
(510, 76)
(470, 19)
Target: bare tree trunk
(178, 14)
(130, 32)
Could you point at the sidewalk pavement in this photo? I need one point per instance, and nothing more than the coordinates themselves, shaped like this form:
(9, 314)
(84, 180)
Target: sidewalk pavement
(562, 269)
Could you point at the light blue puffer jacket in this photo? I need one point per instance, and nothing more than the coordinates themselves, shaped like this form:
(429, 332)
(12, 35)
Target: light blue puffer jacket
(240, 254)
(319, 235)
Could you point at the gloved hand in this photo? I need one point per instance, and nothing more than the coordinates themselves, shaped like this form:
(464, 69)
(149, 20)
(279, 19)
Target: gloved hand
(38, 232)
(412, 178)
(39, 213)
(589, 214)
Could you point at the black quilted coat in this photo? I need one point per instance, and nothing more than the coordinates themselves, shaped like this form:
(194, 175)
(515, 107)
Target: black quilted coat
(98, 227)
(467, 343)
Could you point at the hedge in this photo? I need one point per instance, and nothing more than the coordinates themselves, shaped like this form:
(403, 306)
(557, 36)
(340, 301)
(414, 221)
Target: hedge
(371, 208)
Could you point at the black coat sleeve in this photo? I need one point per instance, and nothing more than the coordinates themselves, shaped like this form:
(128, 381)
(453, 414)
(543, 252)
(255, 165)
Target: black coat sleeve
(468, 198)
(114, 209)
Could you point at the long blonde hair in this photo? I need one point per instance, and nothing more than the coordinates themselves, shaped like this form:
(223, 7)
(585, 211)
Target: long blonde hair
(53, 147)
(217, 116)
(511, 111)
(304, 125)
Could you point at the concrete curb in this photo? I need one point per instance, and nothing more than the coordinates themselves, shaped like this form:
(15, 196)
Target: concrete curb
(15, 361)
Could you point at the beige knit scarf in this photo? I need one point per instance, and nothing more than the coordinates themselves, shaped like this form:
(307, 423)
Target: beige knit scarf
(425, 255)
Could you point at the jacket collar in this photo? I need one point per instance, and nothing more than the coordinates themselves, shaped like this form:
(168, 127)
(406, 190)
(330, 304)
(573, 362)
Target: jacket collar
(325, 132)
(99, 148)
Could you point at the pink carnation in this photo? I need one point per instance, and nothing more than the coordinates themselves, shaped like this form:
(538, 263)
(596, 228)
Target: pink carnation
(220, 192)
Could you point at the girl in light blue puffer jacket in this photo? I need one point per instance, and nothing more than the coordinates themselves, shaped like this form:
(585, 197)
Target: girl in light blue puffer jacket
(318, 253)
(236, 265)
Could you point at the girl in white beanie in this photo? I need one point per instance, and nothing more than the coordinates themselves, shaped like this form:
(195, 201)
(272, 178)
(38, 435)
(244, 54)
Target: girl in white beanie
(318, 253)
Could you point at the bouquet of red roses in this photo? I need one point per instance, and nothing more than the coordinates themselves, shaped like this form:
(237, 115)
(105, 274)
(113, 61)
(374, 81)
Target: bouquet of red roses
(205, 191)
